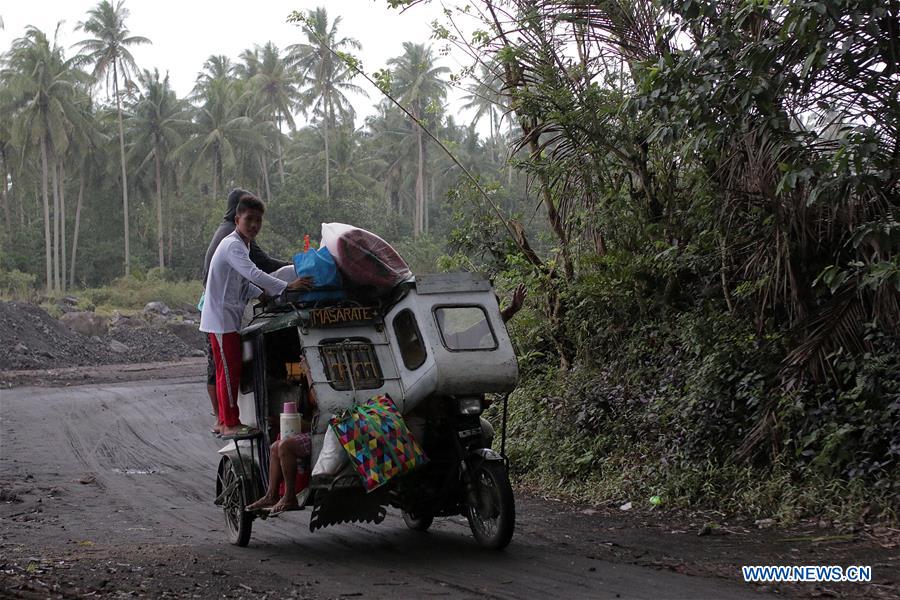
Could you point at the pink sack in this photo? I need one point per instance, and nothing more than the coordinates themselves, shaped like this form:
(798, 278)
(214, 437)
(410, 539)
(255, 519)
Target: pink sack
(363, 258)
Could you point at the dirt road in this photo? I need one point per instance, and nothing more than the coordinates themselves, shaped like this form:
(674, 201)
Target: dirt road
(107, 491)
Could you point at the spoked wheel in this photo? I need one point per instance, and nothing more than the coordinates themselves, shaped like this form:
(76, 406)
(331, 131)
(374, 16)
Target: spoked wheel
(493, 517)
(417, 521)
(231, 496)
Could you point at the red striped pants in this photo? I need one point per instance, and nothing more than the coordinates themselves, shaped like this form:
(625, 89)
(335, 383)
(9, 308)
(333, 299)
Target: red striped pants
(226, 349)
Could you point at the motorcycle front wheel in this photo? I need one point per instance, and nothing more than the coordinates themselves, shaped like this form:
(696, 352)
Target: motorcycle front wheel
(492, 518)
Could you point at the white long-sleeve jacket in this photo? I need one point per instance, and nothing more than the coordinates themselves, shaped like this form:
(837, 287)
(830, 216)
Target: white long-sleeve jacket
(230, 285)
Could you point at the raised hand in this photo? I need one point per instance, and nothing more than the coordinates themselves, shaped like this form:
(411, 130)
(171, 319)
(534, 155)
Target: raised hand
(518, 297)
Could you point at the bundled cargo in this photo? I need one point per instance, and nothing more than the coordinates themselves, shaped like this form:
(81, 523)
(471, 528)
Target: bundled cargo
(318, 264)
(365, 259)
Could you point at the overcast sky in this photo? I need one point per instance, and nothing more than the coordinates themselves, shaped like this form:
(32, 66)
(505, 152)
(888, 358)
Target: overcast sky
(186, 32)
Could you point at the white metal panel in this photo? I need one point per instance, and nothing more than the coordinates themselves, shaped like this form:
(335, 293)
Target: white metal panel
(455, 372)
(332, 401)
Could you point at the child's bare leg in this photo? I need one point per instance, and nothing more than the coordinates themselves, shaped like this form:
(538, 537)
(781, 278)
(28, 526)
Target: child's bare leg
(271, 496)
(292, 448)
(289, 470)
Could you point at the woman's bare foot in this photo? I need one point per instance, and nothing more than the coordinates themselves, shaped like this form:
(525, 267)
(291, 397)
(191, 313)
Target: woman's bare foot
(264, 502)
(216, 429)
(284, 504)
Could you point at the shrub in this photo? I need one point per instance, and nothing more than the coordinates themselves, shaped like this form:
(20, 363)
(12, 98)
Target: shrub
(16, 285)
(132, 293)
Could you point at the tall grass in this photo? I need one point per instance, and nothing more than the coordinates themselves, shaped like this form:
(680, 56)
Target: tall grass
(130, 293)
(124, 294)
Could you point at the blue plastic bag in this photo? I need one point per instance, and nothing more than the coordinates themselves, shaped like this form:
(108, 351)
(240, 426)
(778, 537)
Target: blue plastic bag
(327, 281)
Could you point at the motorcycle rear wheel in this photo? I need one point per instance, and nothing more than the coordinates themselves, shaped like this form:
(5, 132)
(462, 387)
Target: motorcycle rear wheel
(418, 522)
(493, 518)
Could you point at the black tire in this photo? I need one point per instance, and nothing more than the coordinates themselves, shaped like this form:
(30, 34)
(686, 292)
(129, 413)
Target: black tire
(418, 522)
(238, 522)
(493, 518)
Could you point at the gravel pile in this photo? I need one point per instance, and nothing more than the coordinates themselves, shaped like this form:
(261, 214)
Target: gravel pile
(32, 339)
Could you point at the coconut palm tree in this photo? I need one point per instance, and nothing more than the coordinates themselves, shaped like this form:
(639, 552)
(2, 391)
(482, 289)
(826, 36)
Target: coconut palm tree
(417, 84)
(108, 50)
(324, 78)
(88, 160)
(83, 137)
(487, 100)
(275, 86)
(222, 78)
(392, 143)
(6, 150)
(44, 86)
(157, 126)
(217, 68)
(219, 131)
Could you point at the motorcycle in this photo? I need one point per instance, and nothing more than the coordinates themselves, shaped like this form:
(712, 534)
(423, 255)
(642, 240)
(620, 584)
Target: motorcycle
(437, 347)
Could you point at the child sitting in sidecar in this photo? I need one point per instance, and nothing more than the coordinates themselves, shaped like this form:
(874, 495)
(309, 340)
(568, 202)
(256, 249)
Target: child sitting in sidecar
(288, 456)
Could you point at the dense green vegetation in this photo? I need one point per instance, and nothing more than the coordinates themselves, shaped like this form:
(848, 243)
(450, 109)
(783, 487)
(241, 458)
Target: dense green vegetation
(721, 185)
(73, 118)
(702, 196)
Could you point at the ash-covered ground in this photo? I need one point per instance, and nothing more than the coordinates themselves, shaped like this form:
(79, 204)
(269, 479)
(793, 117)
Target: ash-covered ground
(30, 338)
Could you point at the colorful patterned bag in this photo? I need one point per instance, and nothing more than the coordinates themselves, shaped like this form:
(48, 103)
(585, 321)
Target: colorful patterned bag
(378, 441)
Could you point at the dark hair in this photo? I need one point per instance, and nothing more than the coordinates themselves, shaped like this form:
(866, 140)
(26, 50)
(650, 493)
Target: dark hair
(250, 202)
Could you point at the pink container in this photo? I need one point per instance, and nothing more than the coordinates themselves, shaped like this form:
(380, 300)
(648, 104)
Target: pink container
(290, 408)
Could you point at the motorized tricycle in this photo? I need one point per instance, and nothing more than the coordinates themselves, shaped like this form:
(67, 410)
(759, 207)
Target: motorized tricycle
(437, 346)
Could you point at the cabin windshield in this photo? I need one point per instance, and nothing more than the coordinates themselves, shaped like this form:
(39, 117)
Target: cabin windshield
(465, 328)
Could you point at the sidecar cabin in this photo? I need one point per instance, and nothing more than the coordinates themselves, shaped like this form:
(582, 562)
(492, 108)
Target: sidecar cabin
(449, 337)
(436, 334)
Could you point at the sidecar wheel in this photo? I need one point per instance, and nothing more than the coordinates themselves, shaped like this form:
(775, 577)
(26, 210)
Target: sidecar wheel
(493, 518)
(418, 522)
(230, 491)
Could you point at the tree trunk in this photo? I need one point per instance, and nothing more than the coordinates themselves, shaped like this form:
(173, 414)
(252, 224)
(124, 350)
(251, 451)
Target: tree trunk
(20, 205)
(75, 233)
(509, 159)
(215, 182)
(56, 213)
(44, 194)
(170, 235)
(419, 216)
(265, 176)
(62, 218)
(159, 212)
(430, 205)
(280, 153)
(556, 224)
(4, 197)
(327, 163)
(170, 223)
(495, 148)
(124, 174)
(180, 213)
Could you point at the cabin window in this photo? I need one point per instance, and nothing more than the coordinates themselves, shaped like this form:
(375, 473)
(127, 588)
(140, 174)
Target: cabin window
(465, 328)
(409, 339)
(351, 363)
